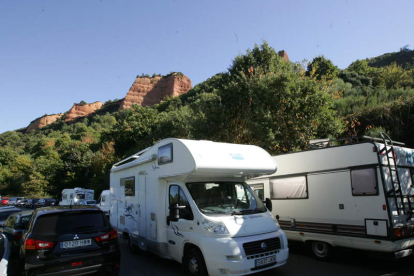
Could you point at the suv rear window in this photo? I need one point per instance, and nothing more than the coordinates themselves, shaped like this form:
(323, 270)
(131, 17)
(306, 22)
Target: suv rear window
(71, 222)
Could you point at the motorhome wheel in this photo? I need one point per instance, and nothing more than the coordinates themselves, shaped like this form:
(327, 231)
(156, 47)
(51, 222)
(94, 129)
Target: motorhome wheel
(132, 247)
(194, 263)
(321, 250)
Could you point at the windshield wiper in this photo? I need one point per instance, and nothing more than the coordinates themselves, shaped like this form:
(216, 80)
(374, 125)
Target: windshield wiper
(83, 227)
(247, 211)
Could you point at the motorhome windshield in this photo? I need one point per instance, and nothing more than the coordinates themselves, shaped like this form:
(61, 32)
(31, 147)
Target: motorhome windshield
(230, 198)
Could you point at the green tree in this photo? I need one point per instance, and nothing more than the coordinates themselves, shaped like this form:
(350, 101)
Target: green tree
(322, 68)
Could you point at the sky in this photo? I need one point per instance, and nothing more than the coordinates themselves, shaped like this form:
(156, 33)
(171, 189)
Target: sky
(54, 53)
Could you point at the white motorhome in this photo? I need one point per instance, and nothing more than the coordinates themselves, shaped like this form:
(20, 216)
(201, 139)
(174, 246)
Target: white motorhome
(188, 201)
(103, 202)
(72, 196)
(358, 195)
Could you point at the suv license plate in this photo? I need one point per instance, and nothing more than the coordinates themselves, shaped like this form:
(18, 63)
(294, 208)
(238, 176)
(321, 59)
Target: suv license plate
(266, 261)
(75, 243)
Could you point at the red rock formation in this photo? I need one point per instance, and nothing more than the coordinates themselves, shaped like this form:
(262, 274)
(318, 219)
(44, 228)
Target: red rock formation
(43, 121)
(283, 54)
(149, 91)
(81, 110)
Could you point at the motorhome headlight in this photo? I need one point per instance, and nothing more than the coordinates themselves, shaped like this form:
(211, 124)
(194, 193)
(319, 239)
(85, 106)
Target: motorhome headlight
(217, 227)
(275, 220)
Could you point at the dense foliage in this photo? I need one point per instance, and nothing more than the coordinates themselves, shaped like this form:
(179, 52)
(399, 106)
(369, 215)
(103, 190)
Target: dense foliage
(260, 100)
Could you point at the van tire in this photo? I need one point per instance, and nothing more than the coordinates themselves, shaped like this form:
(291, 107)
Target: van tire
(194, 263)
(133, 249)
(322, 251)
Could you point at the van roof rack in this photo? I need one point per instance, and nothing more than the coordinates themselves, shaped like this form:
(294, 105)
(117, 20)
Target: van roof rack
(326, 142)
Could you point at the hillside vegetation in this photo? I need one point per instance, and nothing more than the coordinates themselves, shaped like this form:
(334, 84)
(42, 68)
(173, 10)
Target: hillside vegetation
(260, 100)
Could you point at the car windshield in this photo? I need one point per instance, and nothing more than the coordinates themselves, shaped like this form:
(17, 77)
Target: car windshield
(229, 198)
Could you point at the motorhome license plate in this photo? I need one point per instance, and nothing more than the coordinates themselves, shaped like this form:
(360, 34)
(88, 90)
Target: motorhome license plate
(266, 261)
(75, 243)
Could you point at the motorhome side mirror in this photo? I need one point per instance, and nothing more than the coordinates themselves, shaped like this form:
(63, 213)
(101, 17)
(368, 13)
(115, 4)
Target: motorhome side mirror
(268, 203)
(174, 212)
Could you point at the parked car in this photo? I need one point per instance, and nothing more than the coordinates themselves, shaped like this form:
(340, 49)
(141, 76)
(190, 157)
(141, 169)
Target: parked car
(14, 228)
(21, 203)
(30, 203)
(5, 212)
(14, 200)
(86, 202)
(4, 254)
(44, 202)
(4, 200)
(70, 240)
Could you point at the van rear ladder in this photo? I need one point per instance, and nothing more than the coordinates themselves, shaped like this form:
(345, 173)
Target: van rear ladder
(395, 192)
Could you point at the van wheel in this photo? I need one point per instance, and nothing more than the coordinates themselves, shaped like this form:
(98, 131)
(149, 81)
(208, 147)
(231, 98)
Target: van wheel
(132, 247)
(194, 263)
(321, 250)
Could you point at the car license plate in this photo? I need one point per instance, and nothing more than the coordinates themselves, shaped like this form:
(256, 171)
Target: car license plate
(75, 243)
(266, 261)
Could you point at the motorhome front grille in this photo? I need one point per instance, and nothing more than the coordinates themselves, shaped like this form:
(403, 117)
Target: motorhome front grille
(261, 247)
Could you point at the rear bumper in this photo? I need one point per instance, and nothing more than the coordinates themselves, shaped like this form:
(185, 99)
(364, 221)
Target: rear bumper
(102, 263)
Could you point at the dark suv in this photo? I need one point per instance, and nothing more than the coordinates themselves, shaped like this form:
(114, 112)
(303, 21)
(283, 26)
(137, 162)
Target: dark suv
(70, 240)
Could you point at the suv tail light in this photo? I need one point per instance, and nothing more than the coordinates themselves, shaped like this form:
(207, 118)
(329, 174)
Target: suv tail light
(31, 244)
(108, 236)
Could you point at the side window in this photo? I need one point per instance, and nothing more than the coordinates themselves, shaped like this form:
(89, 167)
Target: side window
(65, 196)
(129, 185)
(165, 154)
(177, 196)
(25, 221)
(10, 221)
(103, 199)
(364, 182)
(71, 196)
(289, 188)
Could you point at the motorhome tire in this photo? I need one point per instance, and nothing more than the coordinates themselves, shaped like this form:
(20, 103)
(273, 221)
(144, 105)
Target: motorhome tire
(194, 263)
(132, 247)
(321, 250)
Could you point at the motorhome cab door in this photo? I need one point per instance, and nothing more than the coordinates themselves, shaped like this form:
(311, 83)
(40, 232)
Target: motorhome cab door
(177, 231)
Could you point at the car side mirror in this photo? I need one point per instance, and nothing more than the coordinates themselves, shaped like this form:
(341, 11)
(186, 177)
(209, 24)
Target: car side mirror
(268, 204)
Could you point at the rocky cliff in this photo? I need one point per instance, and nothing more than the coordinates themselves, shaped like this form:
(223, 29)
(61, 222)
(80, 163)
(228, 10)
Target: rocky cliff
(43, 121)
(81, 110)
(147, 91)
(283, 54)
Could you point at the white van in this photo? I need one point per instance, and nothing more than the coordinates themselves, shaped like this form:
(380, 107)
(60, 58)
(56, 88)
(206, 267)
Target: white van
(359, 195)
(103, 202)
(72, 196)
(188, 201)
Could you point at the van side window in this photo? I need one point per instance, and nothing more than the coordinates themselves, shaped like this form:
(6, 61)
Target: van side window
(177, 196)
(103, 199)
(129, 185)
(364, 182)
(165, 154)
(71, 196)
(65, 196)
(289, 188)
